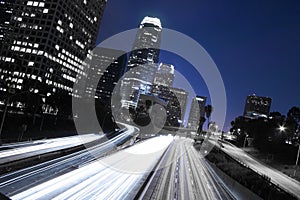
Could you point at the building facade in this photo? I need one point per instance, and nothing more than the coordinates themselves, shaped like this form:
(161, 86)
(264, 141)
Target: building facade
(257, 106)
(142, 62)
(182, 97)
(44, 44)
(197, 111)
(106, 68)
(176, 103)
(164, 75)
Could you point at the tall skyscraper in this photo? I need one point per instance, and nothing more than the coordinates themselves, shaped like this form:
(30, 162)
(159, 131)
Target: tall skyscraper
(182, 97)
(146, 46)
(106, 68)
(164, 75)
(197, 111)
(257, 106)
(44, 44)
(142, 63)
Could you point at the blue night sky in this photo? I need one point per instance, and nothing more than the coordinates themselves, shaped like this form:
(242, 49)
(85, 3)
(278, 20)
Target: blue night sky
(255, 44)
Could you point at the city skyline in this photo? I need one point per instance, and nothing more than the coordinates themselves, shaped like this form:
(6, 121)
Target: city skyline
(141, 116)
(247, 49)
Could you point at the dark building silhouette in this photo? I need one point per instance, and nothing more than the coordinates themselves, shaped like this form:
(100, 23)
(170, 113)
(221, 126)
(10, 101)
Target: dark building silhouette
(175, 97)
(176, 103)
(257, 106)
(182, 97)
(44, 44)
(197, 111)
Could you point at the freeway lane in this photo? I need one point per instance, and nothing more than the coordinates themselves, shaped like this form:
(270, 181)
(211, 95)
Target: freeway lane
(277, 177)
(184, 174)
(21, 180)
(118, 176)
(24, 150)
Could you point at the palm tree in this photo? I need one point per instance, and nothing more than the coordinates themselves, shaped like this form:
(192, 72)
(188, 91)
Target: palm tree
(208, 110)
(201, 122)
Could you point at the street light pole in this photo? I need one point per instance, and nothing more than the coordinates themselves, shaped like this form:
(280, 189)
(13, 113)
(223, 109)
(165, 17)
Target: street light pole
(245, 140)
(3, 117)
(297, 159)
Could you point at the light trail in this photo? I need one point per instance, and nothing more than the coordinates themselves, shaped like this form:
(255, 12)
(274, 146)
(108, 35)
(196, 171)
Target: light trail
(44, 146)
(98, 180)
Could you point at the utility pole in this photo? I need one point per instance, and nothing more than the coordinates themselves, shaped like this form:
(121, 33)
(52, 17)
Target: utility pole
(297, 159)
(4, 115)
(245, 140)
(12, 92)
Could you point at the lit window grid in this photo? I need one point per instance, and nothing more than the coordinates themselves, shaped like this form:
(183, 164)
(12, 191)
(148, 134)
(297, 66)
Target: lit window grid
(68, 62)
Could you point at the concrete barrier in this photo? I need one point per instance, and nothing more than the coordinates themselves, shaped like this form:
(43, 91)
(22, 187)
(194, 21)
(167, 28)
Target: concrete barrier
(238, 190)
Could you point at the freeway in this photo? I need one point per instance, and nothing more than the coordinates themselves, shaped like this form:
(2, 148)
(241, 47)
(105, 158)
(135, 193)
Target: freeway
(118, 176)
(18, 151)
(184, 174)
(164, 167)
(278, 178)
(21, 180)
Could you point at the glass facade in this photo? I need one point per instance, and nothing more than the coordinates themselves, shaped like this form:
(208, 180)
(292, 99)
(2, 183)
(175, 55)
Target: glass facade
(164, 75)
(142, 62)
(107, 67)
(197, 111)
(44, 44)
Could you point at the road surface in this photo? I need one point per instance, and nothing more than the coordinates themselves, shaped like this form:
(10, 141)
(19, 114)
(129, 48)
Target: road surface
(184, 174)
(118, 176)
(180, 173)
(21, 180)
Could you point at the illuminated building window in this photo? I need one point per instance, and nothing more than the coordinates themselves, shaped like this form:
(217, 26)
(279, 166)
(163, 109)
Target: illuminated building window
(30, 63)
(42, 4)
(41, 50)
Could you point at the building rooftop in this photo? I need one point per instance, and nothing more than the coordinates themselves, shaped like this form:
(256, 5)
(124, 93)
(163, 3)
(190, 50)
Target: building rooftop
(151, 20)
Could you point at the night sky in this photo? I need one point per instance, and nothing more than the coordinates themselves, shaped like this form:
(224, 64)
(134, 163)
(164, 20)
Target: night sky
(255, 44)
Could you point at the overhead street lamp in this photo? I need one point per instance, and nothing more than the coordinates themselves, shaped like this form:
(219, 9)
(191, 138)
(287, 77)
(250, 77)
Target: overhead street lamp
(282, 128)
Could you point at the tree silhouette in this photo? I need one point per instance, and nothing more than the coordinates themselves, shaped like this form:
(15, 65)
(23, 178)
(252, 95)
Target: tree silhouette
(292, 121)
(208, 110)
(201, 122)
(294, 114)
